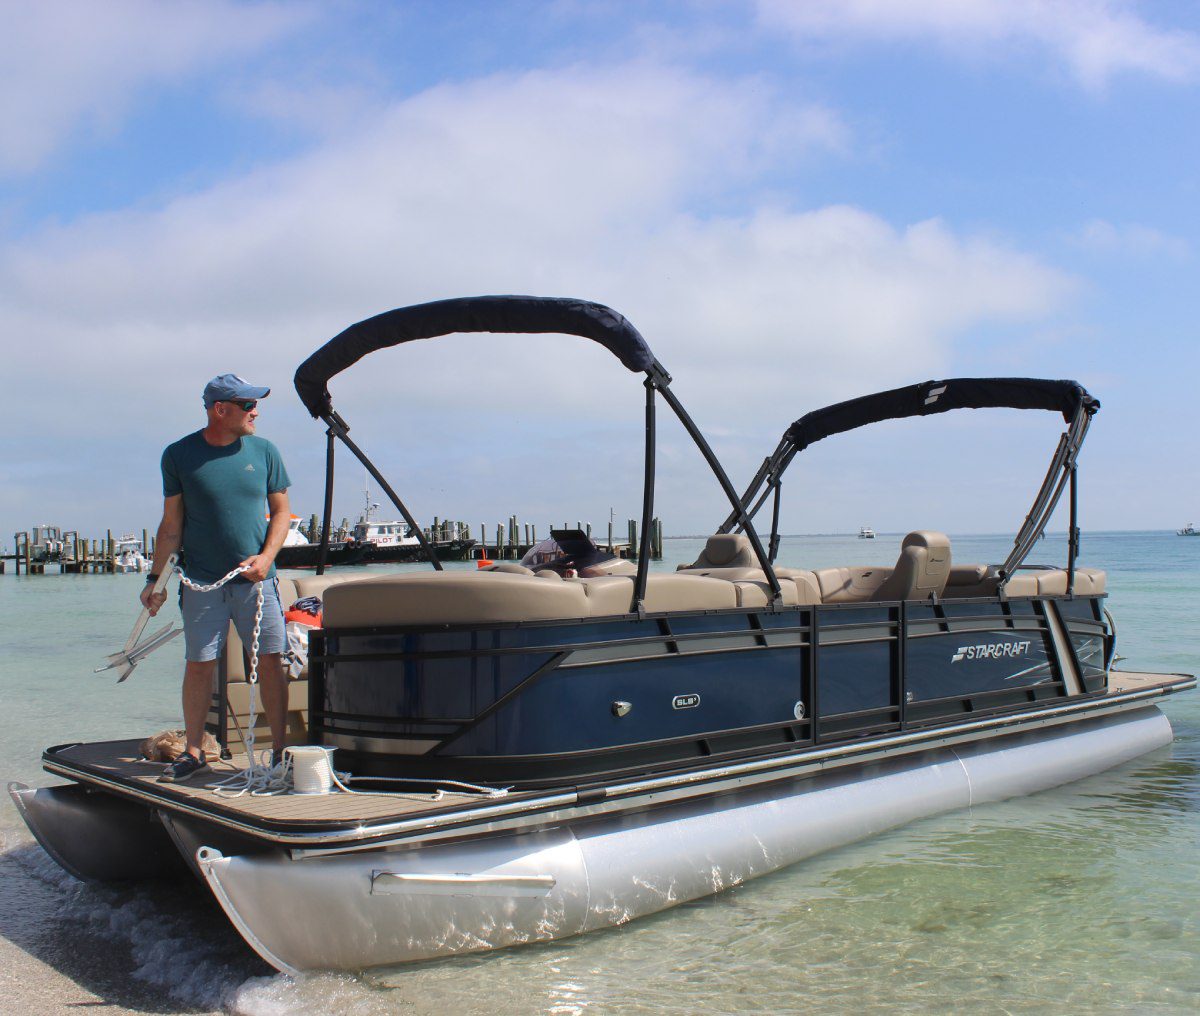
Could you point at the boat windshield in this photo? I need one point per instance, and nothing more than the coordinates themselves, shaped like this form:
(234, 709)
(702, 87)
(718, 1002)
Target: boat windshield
(568, 550)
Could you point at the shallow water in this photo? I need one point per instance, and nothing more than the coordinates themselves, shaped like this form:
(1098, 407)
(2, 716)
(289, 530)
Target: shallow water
(1081, 899)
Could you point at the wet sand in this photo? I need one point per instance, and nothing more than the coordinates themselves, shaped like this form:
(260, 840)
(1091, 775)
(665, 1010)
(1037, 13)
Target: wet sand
(66, 947)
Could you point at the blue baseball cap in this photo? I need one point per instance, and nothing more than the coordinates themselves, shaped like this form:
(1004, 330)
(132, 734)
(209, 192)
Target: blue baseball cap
(231, 388)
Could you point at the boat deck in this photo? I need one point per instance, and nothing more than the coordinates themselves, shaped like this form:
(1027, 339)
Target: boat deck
(118, 762)
(115, 766)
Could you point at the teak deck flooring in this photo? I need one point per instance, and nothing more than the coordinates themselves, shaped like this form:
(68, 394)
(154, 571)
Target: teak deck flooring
(118, 761)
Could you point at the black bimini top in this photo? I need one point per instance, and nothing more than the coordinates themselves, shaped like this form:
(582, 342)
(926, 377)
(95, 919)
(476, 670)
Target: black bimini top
(515, 314)
(931, 397)
(1069, 398)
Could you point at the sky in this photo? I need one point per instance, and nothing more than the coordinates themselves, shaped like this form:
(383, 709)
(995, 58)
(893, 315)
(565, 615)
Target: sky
(794, 202)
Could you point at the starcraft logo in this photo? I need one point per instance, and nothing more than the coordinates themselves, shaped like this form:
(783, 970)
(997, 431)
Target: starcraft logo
(991, 651)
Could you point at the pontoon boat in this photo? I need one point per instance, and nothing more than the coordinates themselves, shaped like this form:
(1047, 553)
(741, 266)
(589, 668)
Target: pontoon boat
(630, 741)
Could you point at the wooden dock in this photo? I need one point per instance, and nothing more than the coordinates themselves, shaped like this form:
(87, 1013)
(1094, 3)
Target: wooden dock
(510, 541)
(78, 556)
(513, 540)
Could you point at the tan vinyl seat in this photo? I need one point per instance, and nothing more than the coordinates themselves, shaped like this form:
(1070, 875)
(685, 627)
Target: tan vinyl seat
(1021, 584)
(921, 569)
(450, 598)
(612, 594)
(970, 580)
(724, 550)
(490, 597)
(1090, 581)
(1053, 582)
(981, 580)
(618, 566)
(607, 595)
(315, 585)
(797, 586)
(849, 585)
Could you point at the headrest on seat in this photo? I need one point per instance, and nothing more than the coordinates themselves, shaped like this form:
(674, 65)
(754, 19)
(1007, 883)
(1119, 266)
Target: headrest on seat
(726, 550)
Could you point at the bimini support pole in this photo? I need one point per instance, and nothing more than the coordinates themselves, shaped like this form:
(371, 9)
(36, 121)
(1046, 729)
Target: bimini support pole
(327, 517)
(769, 477)
(739, 509)
(773, 546)
(643, 570)
(1073, 536)
(1060, 474)
(338, 426)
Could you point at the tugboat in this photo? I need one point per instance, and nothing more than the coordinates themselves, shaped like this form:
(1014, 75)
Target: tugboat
(538, 754)
(395, 540)
(298, 552)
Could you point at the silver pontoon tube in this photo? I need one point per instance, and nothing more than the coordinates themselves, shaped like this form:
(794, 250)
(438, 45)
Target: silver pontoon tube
(356, 910)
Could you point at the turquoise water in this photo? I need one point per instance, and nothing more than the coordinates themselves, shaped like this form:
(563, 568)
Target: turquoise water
(1082, 899)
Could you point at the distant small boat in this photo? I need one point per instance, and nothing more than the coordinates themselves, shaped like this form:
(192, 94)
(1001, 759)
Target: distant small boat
(129, 555)
(1189, 530)
(297, 552)
(866, 533)
(394, 541)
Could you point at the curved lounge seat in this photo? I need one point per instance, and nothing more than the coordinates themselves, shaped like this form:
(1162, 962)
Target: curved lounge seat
(1053, 582)
(980, 580)
(491, 597)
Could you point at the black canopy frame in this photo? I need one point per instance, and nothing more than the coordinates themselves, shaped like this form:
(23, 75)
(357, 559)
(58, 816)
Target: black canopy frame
(509, 314)
(926, 399)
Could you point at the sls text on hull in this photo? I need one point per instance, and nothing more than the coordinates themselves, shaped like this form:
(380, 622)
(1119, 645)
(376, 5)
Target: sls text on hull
(536, 752)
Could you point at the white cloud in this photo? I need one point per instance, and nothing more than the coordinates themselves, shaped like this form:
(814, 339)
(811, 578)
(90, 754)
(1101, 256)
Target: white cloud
(576, 182)
(1105, 237)
(1096, 39)
(76, 65)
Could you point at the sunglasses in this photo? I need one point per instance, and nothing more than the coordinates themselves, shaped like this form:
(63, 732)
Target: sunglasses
(245, 405)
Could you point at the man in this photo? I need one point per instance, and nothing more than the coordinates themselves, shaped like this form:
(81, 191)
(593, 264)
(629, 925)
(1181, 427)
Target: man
(215, 484)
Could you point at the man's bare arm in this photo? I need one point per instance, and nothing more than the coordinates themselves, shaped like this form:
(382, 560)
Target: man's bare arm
(166, 543)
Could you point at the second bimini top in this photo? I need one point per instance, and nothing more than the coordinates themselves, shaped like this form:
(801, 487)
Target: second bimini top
(1069, 398)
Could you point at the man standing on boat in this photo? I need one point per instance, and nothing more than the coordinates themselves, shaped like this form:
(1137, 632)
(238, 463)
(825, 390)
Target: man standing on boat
(215, 484)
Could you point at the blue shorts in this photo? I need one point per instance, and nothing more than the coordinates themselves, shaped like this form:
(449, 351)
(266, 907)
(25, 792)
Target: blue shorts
(206, 618)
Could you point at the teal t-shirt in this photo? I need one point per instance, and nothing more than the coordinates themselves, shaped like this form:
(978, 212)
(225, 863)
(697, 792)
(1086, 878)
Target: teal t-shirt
(224, 499)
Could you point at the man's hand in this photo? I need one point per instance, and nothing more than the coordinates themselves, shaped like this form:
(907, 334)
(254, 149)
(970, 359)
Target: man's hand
(151, 600)
(257, 567)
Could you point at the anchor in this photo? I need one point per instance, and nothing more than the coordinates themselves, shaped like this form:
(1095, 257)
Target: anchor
(135, 651)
